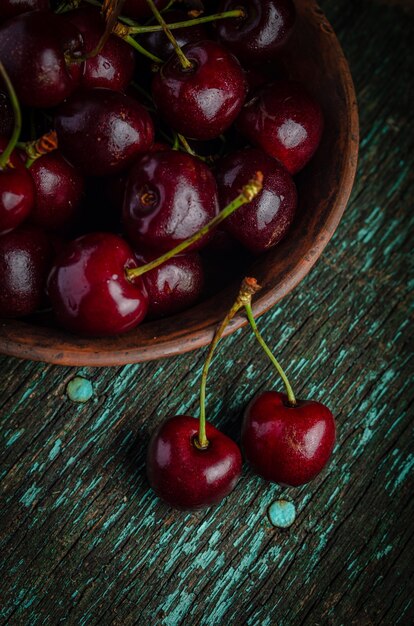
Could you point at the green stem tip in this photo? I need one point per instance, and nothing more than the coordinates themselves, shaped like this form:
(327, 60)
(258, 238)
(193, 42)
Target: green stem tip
(5, 156)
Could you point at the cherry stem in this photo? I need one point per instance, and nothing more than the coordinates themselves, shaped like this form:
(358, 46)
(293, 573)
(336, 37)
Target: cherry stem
(247, 194)
(252, 321)
(191, 22)
(4, 158)
(132, 42)
(186, 64)
(248, 287)
(39, 147)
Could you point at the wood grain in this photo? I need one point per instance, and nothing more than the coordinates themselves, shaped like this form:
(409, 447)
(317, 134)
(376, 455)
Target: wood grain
(83, 541)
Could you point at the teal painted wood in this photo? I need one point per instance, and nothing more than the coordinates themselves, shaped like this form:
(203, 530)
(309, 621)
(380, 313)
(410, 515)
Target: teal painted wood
(84, 541)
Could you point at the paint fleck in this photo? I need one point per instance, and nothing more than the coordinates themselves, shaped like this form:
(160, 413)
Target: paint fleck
(29, 497)
(282, 513)
(55, 450)
(79, 389)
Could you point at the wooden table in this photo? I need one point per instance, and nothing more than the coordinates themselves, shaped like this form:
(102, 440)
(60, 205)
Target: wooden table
(84, 541)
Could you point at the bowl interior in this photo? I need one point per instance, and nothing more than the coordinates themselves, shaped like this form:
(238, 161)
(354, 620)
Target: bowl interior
(314, 58)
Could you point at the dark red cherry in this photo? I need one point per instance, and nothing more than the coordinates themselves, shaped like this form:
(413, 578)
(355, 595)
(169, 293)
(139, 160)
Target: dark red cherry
(6, 116)
(25, 258)
(285, 444)
(88, 288)
(113, 67)
(259, 35)
(34, 48)
(186, 477)
(101, 131)
(263, 222)
(169, 196)
(213, 91)
(285, 121)
(16, 191)
(59, 192)
(175, 285)
(11, 8)
(160, 45)
(139, 9)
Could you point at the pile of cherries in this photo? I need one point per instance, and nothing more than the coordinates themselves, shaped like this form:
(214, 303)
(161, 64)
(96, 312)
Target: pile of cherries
(128, 132)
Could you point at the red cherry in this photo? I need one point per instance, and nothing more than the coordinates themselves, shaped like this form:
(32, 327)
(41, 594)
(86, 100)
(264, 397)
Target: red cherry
(285, 444)
(88, 288)
(169, 196)
(185, 476)
(213, 91)
(6, 115)
(34, 48)
(59, 192)
(102, 132)
(113, 67)
(25, 258)
(259, 35)
(173, 286)
(263, 222)
(285, 121)
(17, 191)
(159, 44)
(11, 8)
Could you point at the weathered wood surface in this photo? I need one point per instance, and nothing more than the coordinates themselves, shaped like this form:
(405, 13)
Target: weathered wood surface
(84, 541)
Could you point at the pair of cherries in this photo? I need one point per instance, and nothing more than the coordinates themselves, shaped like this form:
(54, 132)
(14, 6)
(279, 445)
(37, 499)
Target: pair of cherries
(192, 465)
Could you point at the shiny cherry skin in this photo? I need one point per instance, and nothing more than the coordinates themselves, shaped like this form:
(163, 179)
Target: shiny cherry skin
(59, 192)
(213, 91)
(11, 8)
(265, 221)
(285, 444)
(113, 67)
(260, 34)
(25, 259)
(102, 132)
(285, 121)
(88, 288)
(139, 9)
(17, 193)
(33, 49)
(186, 477)
(173, 286)
(159, 44)
(169, 196)
(6, 116)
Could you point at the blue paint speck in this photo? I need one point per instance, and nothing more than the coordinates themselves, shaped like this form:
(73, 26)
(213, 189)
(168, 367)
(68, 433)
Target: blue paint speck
(29, 497)
(79, 389)
(55, 450)
(282, 513)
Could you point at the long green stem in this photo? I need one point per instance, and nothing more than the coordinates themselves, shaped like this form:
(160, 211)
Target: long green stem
(247, 289)
(250, 317)
(136, 30)
(186, 64)
(4, 158)
(247, 194)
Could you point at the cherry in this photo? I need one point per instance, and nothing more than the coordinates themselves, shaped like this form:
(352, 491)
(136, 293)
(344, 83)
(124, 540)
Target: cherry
(259, 35)
(185, 476)
(265, 221)
(113, 67)
(139, 9)
(213, 89)
(169, 196)
(174, 285)
(16, 191)
(285, 440)
(89, 290)
(157, 42)
(25, 258)
(286, 444)
(11, 8)
(6, 116)
(285, 121)
(34, 48)
(101, 131)
(59, 192)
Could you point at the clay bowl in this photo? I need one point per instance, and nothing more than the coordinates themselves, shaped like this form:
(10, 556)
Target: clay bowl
(314, 57)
